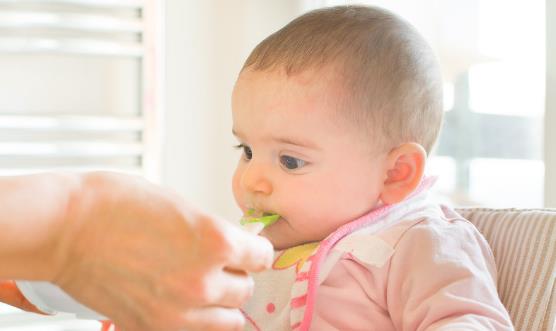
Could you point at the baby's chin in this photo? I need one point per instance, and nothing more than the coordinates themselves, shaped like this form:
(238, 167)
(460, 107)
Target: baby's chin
(283, 240)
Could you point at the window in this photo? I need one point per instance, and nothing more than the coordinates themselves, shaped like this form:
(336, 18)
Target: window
(78, 88)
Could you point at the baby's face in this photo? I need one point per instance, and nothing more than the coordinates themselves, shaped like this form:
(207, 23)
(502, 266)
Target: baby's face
(299, 159)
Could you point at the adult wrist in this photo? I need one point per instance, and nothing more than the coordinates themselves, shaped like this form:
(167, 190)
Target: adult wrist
(88, 198)
(55, 245)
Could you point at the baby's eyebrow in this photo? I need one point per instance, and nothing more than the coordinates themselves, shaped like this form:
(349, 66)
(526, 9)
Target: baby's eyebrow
(286, 140)
(235, 133)
(295, 141)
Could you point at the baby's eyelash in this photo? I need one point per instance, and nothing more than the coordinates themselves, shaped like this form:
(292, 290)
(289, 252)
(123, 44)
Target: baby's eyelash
(240, 146)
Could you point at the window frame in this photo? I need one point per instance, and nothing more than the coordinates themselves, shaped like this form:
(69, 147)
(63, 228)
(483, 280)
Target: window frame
(550, 108)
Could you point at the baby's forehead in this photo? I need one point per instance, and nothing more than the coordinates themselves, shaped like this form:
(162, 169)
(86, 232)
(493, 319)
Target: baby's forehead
(315, 92)
(309, 90)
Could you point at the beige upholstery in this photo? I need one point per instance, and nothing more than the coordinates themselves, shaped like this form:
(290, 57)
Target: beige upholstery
(524, 245)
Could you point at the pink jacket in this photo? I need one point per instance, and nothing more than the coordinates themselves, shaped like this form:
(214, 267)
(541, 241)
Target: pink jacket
(440, 276)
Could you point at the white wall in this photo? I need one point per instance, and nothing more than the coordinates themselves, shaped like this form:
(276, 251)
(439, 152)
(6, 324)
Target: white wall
(206, 44)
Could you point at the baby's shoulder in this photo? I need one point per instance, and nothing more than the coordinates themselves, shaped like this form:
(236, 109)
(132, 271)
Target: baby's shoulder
(439, 238)
(433, 228)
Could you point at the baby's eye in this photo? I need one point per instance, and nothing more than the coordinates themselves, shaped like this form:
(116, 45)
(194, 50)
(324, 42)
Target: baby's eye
(247, 153)
(291, 163)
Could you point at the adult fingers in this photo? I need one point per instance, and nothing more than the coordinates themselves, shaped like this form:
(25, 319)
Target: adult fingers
(248, 252)
(231, 288)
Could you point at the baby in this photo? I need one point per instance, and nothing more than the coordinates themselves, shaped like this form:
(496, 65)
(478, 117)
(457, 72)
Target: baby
(335, 114)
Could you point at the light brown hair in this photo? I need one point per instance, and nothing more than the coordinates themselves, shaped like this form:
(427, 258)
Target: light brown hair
(387, 68)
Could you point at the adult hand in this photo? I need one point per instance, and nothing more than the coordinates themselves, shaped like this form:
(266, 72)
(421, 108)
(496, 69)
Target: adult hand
(139, 255)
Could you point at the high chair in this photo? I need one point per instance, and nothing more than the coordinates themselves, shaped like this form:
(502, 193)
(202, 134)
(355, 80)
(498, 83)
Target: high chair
(523, 242)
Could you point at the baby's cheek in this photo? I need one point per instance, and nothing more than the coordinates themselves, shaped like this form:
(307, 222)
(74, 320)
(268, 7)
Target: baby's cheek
(236, 190)
(315, 223)
(326, 219)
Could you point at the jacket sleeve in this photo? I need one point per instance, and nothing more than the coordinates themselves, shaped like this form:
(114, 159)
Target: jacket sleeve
(443, 277)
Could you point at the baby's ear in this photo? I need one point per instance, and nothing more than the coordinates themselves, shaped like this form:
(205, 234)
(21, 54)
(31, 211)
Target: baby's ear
(406, 165)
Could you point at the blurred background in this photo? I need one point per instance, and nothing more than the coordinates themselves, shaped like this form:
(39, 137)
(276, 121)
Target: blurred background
(144, 86)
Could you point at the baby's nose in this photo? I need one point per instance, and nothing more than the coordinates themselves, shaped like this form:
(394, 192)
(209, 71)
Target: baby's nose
(256, 179)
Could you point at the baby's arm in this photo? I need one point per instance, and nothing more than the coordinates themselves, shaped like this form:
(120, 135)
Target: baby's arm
(442, 277)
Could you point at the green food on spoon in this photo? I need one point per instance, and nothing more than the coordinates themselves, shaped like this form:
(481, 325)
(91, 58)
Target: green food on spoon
(266, 219)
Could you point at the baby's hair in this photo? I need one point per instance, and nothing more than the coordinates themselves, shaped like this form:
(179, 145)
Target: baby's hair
(387, 68)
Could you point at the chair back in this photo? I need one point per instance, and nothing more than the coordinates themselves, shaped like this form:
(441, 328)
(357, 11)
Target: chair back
(523, 242)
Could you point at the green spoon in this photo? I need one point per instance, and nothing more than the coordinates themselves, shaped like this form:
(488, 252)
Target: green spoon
(267, 218)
